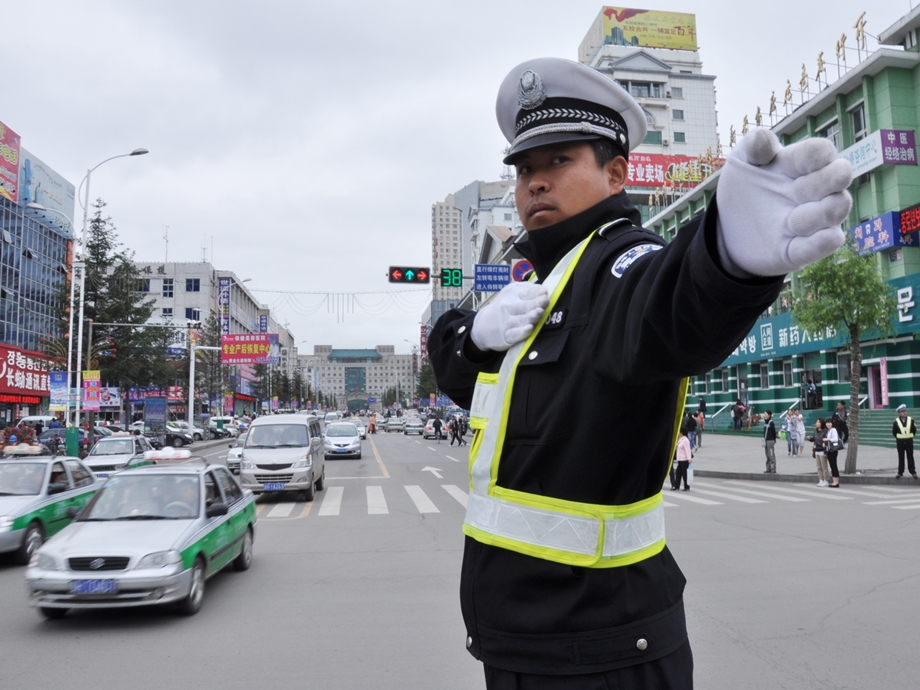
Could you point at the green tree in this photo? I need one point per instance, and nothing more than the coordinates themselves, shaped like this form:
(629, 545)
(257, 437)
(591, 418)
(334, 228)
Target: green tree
(426, 382)
(845, 292)
(210, 374)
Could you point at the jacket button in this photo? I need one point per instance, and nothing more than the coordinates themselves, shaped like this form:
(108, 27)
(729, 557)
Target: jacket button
(642, 644)
(461, 329)
(532, 355)
(469, 642)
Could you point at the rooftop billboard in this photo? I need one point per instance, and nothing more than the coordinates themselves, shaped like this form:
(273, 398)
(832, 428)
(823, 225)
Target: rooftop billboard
(9, 163)
(649, 28)
(39, 184)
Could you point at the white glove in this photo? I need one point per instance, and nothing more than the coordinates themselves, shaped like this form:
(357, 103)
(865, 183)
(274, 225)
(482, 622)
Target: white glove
(780, 209)
(510, 316)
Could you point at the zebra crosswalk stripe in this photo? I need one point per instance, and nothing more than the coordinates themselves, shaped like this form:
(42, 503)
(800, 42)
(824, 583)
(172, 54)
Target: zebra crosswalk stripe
(332, 501)
(421, 500)
(458, 493)
(376, 503)
(730, 497)
(693, 499)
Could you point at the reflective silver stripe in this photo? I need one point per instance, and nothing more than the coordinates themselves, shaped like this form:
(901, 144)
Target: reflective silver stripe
(562, 531)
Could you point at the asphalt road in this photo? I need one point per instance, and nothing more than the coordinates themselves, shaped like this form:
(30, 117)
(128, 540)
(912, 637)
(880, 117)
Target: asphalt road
(789, 587)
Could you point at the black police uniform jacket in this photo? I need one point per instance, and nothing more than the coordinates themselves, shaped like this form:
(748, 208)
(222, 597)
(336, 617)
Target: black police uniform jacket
(591, 420)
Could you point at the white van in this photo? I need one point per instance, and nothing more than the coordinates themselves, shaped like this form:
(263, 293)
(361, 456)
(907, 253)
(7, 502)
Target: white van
(34, 419)
(284, 453)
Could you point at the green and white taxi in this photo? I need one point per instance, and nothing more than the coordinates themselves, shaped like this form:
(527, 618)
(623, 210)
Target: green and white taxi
(37, 491)
(151, 535)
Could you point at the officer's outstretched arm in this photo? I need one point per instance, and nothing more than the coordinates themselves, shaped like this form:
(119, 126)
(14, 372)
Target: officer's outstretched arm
(780, 208)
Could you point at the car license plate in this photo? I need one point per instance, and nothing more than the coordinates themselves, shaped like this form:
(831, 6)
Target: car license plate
(92, 587)
(274, 486)
(342, 450)
(102, 475)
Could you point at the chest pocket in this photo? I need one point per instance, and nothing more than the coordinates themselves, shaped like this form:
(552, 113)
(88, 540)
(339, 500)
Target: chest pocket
(542, 393)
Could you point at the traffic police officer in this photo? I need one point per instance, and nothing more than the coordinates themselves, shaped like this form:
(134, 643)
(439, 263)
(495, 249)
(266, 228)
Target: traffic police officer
(904, 431)
(576, 381)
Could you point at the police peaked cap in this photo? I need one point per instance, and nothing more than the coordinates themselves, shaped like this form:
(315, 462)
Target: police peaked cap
(551, 100)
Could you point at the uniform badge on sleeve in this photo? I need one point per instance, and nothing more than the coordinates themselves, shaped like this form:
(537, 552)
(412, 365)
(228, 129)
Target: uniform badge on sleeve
(629, 257)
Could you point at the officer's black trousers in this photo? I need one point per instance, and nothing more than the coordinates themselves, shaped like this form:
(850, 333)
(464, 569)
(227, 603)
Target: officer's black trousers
(906, 446)
(673, 672)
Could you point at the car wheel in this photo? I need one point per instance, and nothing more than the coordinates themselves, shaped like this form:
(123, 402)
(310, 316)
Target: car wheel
(177, 442)
(321, 482)
(310, 494)
(192, 603)
(53, 614)
(244, 560)
(34, 537)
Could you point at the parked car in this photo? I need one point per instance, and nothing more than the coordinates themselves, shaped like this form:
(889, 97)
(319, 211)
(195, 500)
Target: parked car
(118, 452)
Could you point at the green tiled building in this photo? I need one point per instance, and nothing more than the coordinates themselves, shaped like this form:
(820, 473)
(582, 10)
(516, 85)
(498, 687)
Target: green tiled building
(871, 113)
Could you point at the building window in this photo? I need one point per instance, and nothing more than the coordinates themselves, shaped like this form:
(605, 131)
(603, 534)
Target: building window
(167, 287)
(708, 382)
(680, 138)
(652, 137)
(895, 255)
(644, 89)
(167, 312)
(143, 285)
(787, 373)
(193, 314)
(832, 134)
(858, 118)
(193, 285)
(725, 380)
(843, 366)
(677, 114)
(677, 92)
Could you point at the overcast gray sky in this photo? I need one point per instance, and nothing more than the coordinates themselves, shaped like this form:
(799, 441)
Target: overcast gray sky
(309, 139)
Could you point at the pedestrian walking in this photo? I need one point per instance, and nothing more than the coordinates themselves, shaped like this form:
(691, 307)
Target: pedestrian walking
(818, 452)
(840, 422)
(769, 442)
(454, 426)
(904, 431)
(737, 415)
(832, 446)
(690, 425)
(684, 458)
(789, 428)
(598, 343)
(799, 430)
(436, 425)
(700, 425)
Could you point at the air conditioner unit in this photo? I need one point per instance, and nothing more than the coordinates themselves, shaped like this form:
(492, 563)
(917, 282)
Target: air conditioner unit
(664, 142)
(668, 93)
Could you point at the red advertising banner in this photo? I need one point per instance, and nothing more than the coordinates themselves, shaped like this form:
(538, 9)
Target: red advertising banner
(9, 163)
(658, 170)
(91, 390)
(23, 372)
(245, 348)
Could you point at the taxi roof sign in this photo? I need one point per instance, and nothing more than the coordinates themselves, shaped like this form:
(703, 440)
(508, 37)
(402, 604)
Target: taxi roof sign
(168, 454)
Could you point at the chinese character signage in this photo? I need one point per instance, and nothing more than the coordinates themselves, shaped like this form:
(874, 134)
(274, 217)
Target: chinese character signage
(883, 146)
(58, 381)
(9, 163)
(650, 28)
(879, 234)
(223, 304)
(658, 170)
(263, 323)
(492, 277)
(91, 390)
(910, 219)
(250, 348)
(23, 373)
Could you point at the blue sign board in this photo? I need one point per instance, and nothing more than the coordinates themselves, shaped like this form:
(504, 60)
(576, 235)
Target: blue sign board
(155, 411)
(263, 323)
(881, 233)
(492, 277)
(176, 351)
(372, 400)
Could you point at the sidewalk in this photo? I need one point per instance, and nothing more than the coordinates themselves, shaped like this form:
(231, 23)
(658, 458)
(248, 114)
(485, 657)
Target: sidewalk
(742, 457)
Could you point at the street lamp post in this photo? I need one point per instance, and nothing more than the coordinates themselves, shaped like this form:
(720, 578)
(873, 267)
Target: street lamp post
(135, 152)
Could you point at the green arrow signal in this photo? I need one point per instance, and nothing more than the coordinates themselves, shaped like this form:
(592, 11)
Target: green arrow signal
(410, 275)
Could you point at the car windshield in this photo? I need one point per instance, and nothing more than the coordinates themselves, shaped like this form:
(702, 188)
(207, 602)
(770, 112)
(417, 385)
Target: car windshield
(278, 436)
(119, 447)
(145, 497)
(21, 478)
(341, 430)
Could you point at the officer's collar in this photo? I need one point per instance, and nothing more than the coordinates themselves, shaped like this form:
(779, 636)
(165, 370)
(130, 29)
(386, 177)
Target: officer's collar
(546, 246)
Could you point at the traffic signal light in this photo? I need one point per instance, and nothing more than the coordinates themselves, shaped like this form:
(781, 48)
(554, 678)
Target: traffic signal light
(409, 274)
(451, 277)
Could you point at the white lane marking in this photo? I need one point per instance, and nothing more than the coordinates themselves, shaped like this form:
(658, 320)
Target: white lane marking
(281, 510)
(434, 449)
(668, 505)
(817, 492)
(720, 494)
(864, 494)
(416, 440)
(376, 503)
(446, 456)
(458, 493)
(778, 497)
(421, 500)
(913, 507)
(892, 502)
(332, 501)
(693, 499)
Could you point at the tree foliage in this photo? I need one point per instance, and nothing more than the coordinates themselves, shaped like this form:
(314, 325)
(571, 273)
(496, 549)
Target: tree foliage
(427, 385)
(845, 292)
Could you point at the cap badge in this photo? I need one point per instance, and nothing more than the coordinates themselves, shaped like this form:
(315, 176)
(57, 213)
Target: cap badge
(530, 90)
